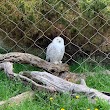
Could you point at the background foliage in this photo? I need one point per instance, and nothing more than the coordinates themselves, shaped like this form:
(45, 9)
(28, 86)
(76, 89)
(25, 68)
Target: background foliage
(30, 25)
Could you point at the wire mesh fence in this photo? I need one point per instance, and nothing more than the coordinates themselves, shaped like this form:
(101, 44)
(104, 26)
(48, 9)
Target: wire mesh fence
(29, 26)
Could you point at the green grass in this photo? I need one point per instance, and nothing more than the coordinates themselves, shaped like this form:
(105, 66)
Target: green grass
(97, 80)
(82, 67)
(24, 67)
(9, 88)
(42, 102)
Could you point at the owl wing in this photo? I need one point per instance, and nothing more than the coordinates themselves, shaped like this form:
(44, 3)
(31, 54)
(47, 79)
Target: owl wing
(50, 50)
(63, 50)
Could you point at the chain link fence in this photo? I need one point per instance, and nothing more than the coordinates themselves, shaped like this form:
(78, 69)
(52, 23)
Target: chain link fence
(30, 25)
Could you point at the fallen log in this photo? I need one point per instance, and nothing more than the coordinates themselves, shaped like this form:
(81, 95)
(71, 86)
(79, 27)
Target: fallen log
(8, 69)
(18, 99)
(62, 85)
(54, 83)
(34, 60)
(61, 70)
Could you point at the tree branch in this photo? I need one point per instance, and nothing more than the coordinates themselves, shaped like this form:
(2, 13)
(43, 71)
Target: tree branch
(53, 83)
(8, 68)
(62, 85)
(34, 60)
(18, 99)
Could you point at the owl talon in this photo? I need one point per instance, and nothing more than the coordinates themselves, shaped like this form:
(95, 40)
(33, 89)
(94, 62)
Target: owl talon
(56, 62)
(60, 62)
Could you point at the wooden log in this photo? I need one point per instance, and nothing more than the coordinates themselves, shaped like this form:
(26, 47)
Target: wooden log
(62, 85)
(8, 69)
(61, 70)
(18, 99)
(53, 83)
(72, 77)
(34, 60)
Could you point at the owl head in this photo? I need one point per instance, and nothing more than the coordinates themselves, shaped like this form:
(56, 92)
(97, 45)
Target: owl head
(58, 40)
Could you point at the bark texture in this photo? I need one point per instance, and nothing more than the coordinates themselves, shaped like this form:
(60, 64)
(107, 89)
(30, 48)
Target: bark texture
(45, 80)
(18, 99)
(34, 60)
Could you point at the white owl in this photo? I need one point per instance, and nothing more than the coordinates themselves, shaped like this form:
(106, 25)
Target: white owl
(55, 50)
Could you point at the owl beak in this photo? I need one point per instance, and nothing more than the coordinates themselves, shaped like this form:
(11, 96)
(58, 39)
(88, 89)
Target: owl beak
(59, 41)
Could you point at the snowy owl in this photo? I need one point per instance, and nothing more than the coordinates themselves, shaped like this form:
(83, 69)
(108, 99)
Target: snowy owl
(55, 50)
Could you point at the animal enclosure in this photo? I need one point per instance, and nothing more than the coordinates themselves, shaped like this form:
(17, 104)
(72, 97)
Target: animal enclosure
(29, 26)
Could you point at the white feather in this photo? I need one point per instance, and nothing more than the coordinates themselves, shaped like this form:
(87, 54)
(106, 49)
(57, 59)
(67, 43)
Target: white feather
(55, 50)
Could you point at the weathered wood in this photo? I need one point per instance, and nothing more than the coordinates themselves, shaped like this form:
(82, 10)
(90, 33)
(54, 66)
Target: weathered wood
(106, 72)
(60, 70)
(8, 69)
(54, 83)
(72, 77)
(34, 60)
(18, 99)
(62, 85)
